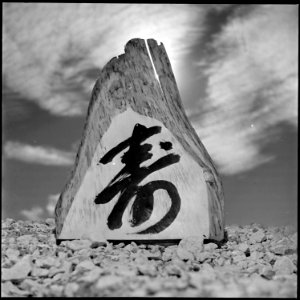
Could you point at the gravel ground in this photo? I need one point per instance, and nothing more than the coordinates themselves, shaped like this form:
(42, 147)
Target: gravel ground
(255, 261)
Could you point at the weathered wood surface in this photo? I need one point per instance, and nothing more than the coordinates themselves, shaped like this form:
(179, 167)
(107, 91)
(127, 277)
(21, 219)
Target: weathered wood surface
(126, 94)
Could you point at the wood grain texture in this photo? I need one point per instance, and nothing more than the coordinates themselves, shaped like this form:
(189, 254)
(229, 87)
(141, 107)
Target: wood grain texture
(127, 84)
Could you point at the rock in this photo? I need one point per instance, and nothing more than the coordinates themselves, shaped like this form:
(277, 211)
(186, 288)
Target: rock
(230, 290)
(50, 222)
(62, 255)
(260, 286)
(32, 286)
(7, 223)
(278, 249)
(140, 259)
(294, 238)
(47, 262)
(39, 272)
(53, 271)
(19, 271)
(202, 256)
(8, 289)
(238, 258)
(284, 266)
(195, 279)
(98, 244)
(243, 264)
(153, 286)
(192, 244)
(220, 261)
(57, 277)
(109, 281)
(131, 248)
(147, 269)
(85, 265)
(210, 247)
(154, 256)
(77, 244)
(267, 272)
(255, 255)
(243, 247)
(283, 246)
(109, 247)
(93, 275)
(120, 245)
(71, 289)
(172, 269)
(116, 114)
(257, 237)
(27, 239)
(125, 272)
(12, 254)
(269, 256)
(208, 271)
(169, 253)
(56, 290)
(184, 254)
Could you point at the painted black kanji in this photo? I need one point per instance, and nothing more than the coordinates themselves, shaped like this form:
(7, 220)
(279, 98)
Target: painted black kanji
(127, 182)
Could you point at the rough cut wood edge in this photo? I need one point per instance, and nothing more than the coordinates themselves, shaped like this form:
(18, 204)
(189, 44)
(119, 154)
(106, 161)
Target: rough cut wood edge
(129, 81)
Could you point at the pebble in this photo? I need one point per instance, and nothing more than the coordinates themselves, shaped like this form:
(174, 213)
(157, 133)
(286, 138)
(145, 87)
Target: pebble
(147, 269)
(210, 247)
(27, 240)
(243, 247)
(85, 265)
(56, 290)
(47, 262)
(77, 244)
(202, 256)
(39, 272)
(192, 243)
(70, 289)
(8, 289)
(284, 266)
(12, 254)
(50, 222)
(255, 262)
(109, 281)
(93, 275)
(267, 272)
(257, 237)
(19, 271)
(98, 244)
(184, 254)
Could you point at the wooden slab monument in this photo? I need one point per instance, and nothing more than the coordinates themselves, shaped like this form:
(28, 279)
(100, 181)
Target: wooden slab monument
(141, 171)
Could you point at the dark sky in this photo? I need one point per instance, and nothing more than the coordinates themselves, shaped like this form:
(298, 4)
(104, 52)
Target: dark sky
(236, 69)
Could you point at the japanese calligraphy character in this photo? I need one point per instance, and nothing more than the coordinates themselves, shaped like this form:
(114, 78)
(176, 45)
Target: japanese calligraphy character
(127, 182)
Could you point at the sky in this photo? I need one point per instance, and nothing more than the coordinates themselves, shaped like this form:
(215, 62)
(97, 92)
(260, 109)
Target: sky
(236, 68)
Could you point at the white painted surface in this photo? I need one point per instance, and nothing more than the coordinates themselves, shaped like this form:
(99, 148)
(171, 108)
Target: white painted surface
(87, 219)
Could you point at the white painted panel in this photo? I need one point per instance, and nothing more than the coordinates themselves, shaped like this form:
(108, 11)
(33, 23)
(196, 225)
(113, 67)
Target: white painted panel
(87, 219)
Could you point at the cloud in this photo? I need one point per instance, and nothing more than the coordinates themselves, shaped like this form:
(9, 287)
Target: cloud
(251, 85)
(38, 154)
(33, 214)
(53, 52)
(52, 200)
(36, 213)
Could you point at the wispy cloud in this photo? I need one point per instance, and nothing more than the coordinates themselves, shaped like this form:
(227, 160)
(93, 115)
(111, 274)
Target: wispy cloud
(52, 200)
(33, 214)
(38, 154)
(52, 52)
(36, 213)
(252, 85)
